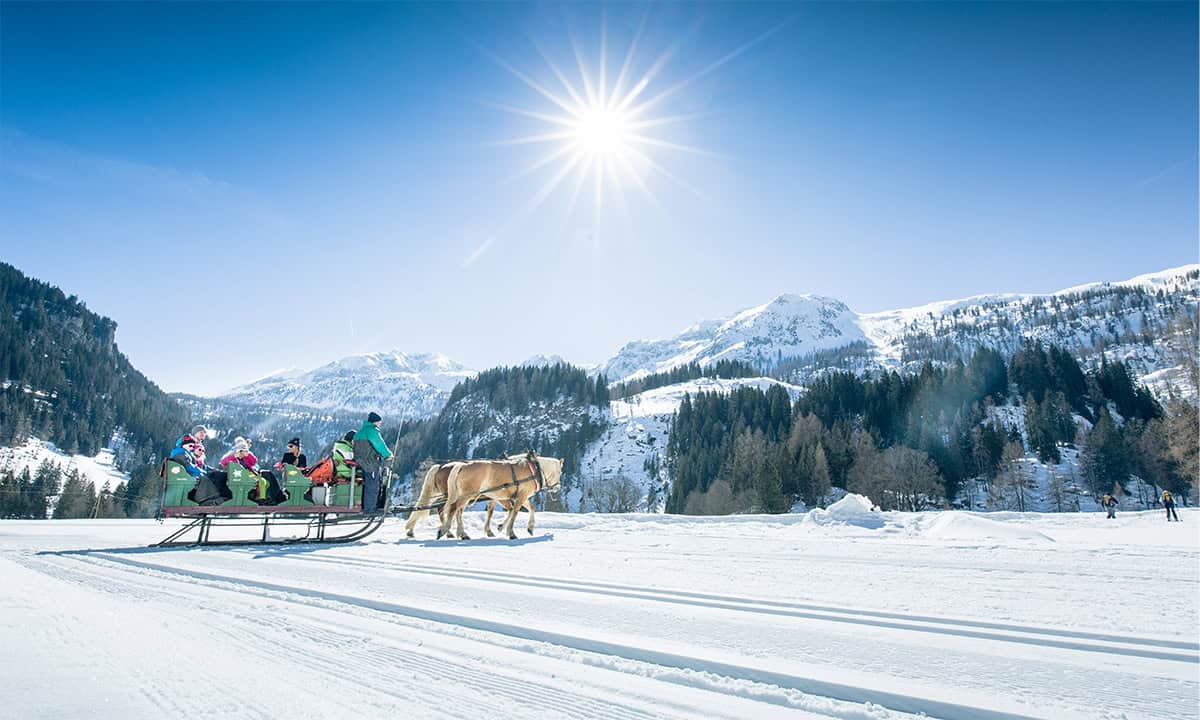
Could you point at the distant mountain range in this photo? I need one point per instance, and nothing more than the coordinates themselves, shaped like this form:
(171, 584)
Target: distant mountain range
(395, 384)
(797, 336)
(1120, 318)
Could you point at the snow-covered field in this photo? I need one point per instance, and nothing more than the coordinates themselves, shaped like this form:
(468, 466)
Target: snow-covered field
(838, 613)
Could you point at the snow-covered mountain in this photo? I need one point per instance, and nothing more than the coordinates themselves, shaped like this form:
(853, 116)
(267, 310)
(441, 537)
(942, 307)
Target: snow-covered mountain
(788, 326)
(1133, 320)
(395, 384)
(541, 360)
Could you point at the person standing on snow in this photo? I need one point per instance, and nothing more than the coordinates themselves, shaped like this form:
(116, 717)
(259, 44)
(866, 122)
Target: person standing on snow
(1169, 503)
(1108, 502)
(369, 453)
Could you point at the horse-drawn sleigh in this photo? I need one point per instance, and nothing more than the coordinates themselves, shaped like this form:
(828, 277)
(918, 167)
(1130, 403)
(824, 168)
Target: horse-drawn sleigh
(332, 512)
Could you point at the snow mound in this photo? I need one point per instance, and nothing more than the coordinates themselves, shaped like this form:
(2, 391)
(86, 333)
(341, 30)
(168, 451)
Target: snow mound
(965, 526)
(852, 509)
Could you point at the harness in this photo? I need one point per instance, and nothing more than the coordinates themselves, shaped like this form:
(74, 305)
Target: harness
(535, 469)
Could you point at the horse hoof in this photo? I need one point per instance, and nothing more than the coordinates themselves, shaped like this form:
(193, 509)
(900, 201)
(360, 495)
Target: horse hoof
(530, 530)
(409, 534)
(440, 534)
(512, 537)
(464, 536)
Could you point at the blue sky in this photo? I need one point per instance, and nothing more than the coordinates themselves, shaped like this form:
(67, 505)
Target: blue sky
(311, 180)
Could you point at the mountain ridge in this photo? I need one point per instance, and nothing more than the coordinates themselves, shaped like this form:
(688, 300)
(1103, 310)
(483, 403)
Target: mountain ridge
(787, 329)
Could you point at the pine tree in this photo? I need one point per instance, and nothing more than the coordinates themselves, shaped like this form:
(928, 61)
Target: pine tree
(1105, 458)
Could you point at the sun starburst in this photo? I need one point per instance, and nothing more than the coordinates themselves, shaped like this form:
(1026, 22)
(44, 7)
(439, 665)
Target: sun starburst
(600, 133)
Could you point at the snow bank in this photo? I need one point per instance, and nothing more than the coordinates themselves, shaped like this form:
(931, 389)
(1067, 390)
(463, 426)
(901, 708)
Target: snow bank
(856, 510)
(965, 526)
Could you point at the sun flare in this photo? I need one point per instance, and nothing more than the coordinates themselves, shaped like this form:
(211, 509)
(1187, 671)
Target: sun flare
(604, 130)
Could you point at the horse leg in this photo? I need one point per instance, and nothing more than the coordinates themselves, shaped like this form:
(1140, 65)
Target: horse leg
(462, 533)
(448, 514)
(529, 506)
(487, 519)
(511, 518)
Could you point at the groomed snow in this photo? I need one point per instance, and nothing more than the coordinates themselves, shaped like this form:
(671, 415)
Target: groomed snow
(614, 616)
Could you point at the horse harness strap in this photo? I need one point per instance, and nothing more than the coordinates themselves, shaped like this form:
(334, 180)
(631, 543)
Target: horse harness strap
(516, 482)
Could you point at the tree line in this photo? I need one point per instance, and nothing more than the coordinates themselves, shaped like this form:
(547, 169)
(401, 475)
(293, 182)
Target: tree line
(60, 494)
(914, 441)
(684, 373)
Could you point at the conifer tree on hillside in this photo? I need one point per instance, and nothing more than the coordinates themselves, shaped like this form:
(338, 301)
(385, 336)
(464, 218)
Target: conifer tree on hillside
(77, 498)
(1105, 460)
(63, 379)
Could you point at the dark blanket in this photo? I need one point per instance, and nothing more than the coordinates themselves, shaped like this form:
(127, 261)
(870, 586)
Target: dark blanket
(211, 489)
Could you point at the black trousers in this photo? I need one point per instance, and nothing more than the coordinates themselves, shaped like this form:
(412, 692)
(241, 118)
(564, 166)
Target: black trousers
(371, 489)
(1171, 511)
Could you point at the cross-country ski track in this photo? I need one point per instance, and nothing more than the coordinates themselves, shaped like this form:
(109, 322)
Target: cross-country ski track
(611, 616)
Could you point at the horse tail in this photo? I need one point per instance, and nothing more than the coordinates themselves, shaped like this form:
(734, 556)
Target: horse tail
(452, 484)
(428, 491)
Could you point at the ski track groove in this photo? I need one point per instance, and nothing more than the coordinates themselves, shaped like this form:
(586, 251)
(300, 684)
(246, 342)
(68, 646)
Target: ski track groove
(433, 668)
(155, 695)
(1025, 635)
(1016, 571)
(805, 685)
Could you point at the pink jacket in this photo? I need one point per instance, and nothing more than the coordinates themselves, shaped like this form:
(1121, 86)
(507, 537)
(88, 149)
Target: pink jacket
(249, 461)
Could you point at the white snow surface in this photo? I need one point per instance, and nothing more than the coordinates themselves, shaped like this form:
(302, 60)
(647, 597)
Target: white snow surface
(614, 616)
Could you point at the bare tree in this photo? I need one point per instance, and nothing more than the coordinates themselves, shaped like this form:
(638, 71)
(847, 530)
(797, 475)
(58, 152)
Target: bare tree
(616, 495)
(1013, 480)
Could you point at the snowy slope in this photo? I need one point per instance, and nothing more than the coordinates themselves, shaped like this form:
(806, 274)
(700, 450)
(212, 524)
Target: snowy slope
(846, 614)
(1115, 317)
(392, 383)
(100, 469)
(638, 428)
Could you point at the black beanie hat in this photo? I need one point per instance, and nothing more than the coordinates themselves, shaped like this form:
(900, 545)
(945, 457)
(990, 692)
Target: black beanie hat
(373, 417)
(348, 436)
(294, 441)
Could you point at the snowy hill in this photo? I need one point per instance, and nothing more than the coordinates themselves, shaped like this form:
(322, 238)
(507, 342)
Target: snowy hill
(635, 441)
(1132, 320)
(99, 469)
(394, 384)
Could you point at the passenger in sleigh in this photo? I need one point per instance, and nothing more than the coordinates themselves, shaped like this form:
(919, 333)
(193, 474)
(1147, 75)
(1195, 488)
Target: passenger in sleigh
(184, 453)
(293, 456)
(268, 491)
(210, 484)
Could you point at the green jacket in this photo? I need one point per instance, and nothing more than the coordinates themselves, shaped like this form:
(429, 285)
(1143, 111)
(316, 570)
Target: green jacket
(370, 433)
(342, 451)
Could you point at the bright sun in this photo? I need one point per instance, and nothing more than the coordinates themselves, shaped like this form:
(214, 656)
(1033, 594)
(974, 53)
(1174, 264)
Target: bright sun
(602, 131)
